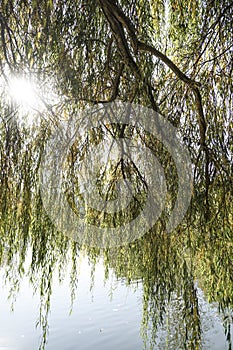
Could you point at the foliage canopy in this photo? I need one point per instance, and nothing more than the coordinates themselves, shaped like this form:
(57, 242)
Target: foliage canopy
(173, 56)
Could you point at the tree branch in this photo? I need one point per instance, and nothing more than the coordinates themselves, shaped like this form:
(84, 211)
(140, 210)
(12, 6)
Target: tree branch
(118, 21)
(116, 83)
(109, 9)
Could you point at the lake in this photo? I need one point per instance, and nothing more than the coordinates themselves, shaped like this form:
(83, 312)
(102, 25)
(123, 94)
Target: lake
(106, 313)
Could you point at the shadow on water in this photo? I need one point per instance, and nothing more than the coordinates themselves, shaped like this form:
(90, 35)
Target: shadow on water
(168, 266)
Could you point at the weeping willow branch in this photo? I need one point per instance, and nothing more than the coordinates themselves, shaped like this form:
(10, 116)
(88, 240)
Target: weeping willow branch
(119, 22)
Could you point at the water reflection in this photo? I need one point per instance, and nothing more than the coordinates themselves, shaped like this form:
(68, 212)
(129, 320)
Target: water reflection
(106, 316)
(164, 267)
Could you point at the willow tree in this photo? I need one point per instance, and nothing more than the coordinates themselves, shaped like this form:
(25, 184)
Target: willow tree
(172, 56)
(151, 53)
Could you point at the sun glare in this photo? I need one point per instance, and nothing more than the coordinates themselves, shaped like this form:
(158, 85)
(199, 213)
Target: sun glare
(23, 92)
(29, 98)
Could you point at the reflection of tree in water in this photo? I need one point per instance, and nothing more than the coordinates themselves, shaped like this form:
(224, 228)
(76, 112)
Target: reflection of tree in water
(91, 65)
